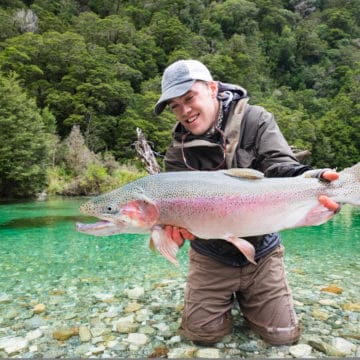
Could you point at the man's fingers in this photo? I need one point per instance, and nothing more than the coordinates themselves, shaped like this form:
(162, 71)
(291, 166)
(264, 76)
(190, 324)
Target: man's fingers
(186, 234)
(329, 203)
(174, 233)
(178, 234)
(330, 175)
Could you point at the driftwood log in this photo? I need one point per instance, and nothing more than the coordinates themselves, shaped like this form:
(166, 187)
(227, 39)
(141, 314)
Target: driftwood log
(146, 154)
(300, 155)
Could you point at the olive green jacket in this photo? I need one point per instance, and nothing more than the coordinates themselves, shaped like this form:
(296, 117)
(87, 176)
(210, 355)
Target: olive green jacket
(253, 140)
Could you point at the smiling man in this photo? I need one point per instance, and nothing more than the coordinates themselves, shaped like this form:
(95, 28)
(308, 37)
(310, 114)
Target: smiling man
(218, 129)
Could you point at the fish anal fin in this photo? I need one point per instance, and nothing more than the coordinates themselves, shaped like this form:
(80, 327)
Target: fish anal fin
(244, 173)
(318, 215)
(152, 245)
(164, 244)
(244, 246)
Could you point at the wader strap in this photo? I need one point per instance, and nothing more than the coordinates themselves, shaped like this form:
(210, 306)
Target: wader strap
(232, 131)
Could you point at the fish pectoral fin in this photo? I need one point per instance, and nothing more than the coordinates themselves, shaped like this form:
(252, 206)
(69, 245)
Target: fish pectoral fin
(164, 244)
(244, 246)
(244, 173)
(152, 245)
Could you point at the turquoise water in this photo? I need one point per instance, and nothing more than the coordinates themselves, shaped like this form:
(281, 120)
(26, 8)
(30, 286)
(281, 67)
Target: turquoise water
(44, 260)
(38, 242)
(327, 254)
(39, 245)
(40, 238)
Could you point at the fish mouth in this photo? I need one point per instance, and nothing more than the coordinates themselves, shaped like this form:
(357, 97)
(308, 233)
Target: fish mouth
(100, 228)
(107, 228)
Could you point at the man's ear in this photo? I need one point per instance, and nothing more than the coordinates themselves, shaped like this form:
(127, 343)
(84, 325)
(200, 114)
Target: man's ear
(213, 85)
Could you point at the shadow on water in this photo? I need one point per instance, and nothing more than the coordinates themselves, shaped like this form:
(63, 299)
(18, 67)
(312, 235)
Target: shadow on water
(40, 221)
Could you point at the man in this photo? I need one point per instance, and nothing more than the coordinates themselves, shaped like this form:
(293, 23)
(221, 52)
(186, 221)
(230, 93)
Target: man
(218, 129)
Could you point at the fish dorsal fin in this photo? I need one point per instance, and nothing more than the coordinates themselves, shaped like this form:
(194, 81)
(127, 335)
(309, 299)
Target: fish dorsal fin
(244, 173)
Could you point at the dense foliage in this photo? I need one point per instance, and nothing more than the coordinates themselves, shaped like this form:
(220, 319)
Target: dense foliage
(98, 64)
(23, 142)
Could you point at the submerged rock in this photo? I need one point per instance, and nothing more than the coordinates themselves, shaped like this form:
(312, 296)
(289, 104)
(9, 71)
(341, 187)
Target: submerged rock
(186, 352)
(84, 333)
(135, 293)
(126, 325)
(137, 339)
(39, 308)
(63, 334)
(351, 307)
(326, 348)
(300, 350)
(12, 345)
(344, 346)
(209, 353)
(332, 289)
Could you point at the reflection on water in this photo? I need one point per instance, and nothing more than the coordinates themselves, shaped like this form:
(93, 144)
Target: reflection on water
(38, 221)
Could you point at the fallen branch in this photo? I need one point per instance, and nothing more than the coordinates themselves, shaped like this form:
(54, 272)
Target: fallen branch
(146, 154)
(300, 155)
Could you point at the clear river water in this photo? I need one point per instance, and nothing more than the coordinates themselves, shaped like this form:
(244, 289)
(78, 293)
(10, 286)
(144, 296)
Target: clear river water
(42, 257)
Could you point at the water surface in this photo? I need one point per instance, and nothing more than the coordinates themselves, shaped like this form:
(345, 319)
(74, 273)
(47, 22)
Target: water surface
(44, 260)
(38, 242)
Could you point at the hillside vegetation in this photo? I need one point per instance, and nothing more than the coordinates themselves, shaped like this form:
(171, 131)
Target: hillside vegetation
(79, 76)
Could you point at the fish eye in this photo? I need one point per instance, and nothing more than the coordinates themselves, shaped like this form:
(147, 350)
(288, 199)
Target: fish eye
(111, 209)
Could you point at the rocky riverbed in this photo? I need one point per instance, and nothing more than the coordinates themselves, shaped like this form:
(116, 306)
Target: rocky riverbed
(93, 317)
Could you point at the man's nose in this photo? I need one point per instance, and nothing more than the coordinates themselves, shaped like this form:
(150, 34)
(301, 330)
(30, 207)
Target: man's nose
(185, 109)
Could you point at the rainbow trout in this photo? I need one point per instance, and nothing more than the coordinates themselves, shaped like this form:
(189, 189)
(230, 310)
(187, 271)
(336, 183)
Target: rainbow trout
(225, 204)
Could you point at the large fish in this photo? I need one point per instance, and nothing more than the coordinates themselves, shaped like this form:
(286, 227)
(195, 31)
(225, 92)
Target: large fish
(225, 204)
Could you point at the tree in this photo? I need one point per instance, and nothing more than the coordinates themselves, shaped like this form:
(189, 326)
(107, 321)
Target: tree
(7, 28)
(169, 32)
(98, 64)
(235, 16)
(78, 156)
(339, 129)
(23, 142)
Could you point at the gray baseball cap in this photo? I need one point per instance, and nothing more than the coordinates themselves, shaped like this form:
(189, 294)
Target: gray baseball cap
(177, 80)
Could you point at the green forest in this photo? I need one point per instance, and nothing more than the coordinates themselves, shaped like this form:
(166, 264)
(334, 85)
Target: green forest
(79, 76)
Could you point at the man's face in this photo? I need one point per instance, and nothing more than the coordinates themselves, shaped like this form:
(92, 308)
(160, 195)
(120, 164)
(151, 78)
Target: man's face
(197, 109)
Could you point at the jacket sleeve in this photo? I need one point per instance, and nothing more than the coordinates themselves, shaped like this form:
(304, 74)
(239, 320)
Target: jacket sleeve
(274, 155)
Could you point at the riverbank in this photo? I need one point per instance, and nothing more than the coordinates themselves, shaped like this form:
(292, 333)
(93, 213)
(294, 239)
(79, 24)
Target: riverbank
(80, 320)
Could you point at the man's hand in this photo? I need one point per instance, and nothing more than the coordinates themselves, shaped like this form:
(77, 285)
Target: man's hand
(329, 175)
(178, 234)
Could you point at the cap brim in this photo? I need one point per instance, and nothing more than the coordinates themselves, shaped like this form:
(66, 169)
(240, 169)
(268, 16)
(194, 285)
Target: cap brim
(171, 93)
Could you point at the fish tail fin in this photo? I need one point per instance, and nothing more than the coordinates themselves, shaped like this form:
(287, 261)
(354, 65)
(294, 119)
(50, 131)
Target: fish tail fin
(164, 244)
(244, 246)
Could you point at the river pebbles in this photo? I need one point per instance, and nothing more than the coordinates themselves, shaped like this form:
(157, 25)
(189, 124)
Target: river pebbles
(92, 317)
